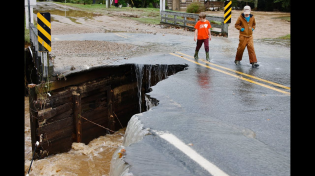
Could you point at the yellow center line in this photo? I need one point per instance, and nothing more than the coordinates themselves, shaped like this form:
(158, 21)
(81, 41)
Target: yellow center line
(254, 77)
(121, 36)
(245, 79)
(125, 35)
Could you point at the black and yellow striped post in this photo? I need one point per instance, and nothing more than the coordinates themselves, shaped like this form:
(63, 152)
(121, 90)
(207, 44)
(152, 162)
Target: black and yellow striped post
(227, 11)
(44, 29)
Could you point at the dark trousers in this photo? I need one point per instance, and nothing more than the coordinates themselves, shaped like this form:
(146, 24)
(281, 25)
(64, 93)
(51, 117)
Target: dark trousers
(206, 43)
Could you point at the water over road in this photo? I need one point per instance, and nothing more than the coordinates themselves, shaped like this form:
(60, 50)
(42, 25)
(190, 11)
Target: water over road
(214, 118)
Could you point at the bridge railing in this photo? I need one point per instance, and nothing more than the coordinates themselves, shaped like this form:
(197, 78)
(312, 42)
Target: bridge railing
(36, 56)
(33, 36)
(189, 20)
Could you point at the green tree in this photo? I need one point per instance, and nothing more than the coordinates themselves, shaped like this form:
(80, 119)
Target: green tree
(285, 3)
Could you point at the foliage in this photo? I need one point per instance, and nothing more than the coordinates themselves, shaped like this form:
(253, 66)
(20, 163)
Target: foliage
(270, 5)
(195, 7)
(285, 3)
(142, 3)
(26, 32)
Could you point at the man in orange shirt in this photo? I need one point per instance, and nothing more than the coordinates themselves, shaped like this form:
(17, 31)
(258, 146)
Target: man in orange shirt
(202, 34)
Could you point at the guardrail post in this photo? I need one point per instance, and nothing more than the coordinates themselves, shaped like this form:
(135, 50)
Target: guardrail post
(33, 115)
(224, 29)
(175, 19)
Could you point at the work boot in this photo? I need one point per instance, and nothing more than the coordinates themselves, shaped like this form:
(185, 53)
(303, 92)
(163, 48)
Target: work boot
(237, 62)
(254, 65)
(207, 56)
(196, 55)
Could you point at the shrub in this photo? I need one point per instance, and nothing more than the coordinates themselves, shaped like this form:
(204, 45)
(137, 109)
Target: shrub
(195, 7)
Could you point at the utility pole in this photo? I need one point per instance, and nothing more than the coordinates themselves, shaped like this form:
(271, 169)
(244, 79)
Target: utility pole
(162, 5)
(29, 14)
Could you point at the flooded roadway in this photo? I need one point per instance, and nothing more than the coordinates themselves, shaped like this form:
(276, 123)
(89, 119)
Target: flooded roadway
(236, 117)
(236, 122)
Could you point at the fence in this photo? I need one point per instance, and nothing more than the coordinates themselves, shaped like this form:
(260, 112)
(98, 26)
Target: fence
(188, 20)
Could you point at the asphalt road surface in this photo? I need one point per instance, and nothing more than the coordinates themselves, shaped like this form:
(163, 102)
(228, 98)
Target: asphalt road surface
(215, 118)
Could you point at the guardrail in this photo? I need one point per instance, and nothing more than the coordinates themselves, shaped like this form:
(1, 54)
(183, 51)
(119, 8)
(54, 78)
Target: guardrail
(44, 68)
(189, 20)
(33, 36)
(36, 58)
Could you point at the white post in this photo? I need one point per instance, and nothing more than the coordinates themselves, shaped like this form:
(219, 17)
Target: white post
(163, 8)
(162, 5)
(108, 3)
(32, 4)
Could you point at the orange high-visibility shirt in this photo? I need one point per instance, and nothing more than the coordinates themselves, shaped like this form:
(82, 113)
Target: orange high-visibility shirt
(202, 28)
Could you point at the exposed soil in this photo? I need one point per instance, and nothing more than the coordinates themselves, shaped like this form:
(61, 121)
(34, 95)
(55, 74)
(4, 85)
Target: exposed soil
(92, 53)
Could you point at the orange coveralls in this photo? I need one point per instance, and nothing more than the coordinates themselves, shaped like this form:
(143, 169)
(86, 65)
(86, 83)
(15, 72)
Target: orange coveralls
(245, 38)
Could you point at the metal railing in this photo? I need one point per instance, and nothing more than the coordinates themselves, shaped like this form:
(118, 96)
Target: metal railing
(33, 36)
(190, 19)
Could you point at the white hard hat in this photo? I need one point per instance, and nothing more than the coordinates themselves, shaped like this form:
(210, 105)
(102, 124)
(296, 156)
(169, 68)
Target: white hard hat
(247, 9)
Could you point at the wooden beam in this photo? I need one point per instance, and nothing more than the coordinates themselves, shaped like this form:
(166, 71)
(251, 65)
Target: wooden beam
(77, 116)
(55, 111)
(55, 126)
(33, 115)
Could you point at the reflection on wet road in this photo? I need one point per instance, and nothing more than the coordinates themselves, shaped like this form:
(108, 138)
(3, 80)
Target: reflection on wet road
(239, 76)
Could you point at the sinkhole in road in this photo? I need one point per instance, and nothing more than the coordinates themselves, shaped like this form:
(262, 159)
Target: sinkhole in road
(90, 103)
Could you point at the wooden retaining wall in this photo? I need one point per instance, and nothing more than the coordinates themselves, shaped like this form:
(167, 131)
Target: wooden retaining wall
(106, 96)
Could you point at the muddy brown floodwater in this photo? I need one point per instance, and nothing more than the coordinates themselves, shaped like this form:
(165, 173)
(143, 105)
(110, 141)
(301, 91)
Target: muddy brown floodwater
(91, 159)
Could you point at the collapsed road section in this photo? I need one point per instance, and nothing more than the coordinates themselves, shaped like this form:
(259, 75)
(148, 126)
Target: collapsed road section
(84, 105)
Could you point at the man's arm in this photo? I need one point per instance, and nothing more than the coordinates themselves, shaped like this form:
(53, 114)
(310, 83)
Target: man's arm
(209, 34)
(254, 23)
(238, 24)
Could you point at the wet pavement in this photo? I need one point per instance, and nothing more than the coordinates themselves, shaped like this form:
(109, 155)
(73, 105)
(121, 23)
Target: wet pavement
(235, 117)
(214, 118)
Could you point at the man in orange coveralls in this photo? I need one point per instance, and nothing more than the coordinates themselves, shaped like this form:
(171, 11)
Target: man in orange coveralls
(246, 24)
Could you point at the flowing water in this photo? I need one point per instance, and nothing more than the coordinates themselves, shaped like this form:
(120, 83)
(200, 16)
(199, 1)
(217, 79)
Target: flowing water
(134, 133)
(91, 159)
(102, 156)
(160, 70)
(139, 75)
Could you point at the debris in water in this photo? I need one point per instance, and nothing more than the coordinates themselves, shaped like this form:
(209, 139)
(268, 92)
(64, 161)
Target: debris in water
(122, 152)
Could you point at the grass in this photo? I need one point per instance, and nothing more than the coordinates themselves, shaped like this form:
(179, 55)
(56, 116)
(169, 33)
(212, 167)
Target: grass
(286, 37)
(146, 15)
(286, 18)
(26, 33)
